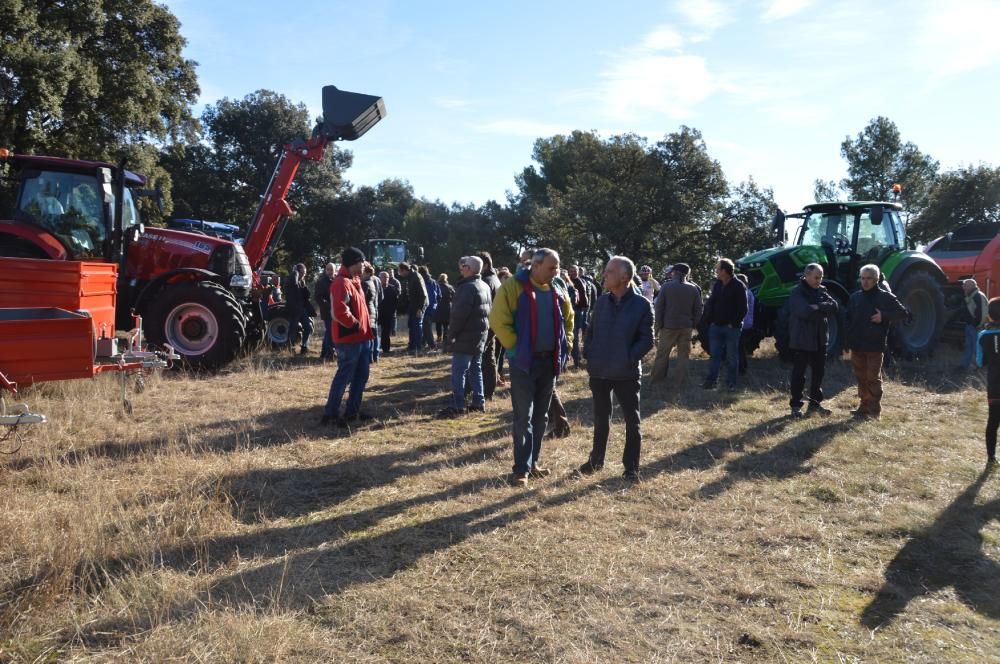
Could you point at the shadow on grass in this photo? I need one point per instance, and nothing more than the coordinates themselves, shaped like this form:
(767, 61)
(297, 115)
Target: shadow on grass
(948, 554)
(784, 460)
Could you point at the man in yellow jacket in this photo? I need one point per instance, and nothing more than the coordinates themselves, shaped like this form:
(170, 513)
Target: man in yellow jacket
(534, 323)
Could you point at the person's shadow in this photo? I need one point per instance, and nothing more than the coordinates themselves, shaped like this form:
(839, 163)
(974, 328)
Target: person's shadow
(947, 554)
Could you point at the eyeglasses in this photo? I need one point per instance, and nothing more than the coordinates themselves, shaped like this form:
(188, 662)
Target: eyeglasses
(868, 279)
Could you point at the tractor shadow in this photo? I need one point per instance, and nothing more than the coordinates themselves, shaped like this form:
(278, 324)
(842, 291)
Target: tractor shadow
(948, 554)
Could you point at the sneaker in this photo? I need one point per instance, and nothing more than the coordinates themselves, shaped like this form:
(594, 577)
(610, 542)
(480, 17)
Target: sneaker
(519, 479)
(631, 475)
(588, 469)
(816, 409)
(538, 472)
(449, 413)
(796, 413)
(481, 408)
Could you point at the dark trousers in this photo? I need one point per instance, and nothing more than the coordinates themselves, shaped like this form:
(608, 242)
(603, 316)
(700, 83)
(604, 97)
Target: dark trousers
(415, 323)
(579, 330)
(442, 331)
(530, 393)
(500, 354)
(627, 393)
(815, 360)
(557, 415)
(490, 366)
(991, 430)
(387, 326)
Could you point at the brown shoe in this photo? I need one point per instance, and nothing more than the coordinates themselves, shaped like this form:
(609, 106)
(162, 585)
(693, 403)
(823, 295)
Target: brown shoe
(538, 472)
(519, 479)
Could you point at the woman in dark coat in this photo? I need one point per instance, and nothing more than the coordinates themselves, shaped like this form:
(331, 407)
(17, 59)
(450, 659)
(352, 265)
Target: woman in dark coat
(443, 313)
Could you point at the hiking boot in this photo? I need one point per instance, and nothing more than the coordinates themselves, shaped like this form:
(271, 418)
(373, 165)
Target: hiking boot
(631, 475)
(519, 479)
(538, 472)
(797, 413)
(588, 469)
(816, 409)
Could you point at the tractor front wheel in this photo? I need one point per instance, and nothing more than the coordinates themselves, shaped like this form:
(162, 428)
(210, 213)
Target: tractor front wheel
(922, 296)
(201, 321)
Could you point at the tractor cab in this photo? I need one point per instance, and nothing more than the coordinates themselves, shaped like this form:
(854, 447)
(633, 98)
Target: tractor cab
(852, 235)
(65, 208)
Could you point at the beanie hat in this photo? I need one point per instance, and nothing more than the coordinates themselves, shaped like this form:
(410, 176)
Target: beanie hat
(682, 268)
(351, 256)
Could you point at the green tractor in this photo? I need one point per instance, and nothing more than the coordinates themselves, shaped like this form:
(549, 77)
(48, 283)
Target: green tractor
(842, 237)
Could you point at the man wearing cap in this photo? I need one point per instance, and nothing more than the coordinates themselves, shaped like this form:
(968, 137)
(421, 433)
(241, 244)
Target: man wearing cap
(677, 310)
(649, 286)
(352, 334)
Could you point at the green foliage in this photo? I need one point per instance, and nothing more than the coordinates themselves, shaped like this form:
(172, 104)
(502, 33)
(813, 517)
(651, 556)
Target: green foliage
(95, 80)
(593, 198)
(877, 158)
(969, 195)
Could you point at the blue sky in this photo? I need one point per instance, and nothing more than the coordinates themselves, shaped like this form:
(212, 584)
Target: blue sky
(773, 85)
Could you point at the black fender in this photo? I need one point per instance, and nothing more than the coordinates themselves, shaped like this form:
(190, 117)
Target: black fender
(838, 292)
(153, 288)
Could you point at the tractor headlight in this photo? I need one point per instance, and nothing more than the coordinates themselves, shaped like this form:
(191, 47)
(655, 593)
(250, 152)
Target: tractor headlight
(239, 281)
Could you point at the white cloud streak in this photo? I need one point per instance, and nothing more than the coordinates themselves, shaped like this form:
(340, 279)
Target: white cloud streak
(775, 10)
(959, 36)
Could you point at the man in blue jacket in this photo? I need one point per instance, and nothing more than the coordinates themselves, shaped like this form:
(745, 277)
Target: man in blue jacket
(619, 336)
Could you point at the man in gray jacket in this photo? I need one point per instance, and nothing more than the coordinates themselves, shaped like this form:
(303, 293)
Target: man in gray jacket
(678, 310)
(467, 333)
(809, 305)
(620, 334)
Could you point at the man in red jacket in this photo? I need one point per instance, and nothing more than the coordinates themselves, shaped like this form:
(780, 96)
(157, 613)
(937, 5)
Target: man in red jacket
(352, 332)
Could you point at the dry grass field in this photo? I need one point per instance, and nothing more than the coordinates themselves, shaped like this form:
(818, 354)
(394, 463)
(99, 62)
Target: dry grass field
(221, 523)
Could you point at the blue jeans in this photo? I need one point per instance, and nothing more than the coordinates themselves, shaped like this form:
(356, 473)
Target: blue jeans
(427, 330)
(724, 341)
(352, 369)
(326, 353)
(374, 343)
(969, 350)
(307, 327)
(467, 367)
(415, 320)
(530, 397)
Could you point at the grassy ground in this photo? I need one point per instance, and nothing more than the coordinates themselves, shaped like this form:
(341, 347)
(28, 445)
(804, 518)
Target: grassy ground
(221, 523)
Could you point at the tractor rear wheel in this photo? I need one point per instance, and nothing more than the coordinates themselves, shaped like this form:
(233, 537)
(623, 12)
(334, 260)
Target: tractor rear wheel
(922, 296)
(201, 321)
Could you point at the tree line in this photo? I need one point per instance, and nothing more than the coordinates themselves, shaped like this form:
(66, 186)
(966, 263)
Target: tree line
(107, 80)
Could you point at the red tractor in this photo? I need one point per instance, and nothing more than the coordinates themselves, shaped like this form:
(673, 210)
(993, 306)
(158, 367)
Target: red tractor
(200, 295)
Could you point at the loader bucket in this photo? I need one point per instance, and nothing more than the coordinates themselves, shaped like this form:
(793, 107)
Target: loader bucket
(348, 115)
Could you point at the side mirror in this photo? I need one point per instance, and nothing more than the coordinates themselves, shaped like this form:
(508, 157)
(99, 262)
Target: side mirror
(778, 226)
(348, 115)
(876, 214)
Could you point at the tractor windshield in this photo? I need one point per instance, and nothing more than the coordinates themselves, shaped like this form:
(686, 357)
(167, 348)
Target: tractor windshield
(387, 252)
(837, 229)
(69, 206)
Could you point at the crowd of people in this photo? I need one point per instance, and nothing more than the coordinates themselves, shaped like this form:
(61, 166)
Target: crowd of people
(539, 317)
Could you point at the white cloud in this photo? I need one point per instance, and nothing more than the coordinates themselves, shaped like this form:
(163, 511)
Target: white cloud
(518, 127)
(663, 38)
(708, 15)
(775, 10)
(959, 36)
(663, 84)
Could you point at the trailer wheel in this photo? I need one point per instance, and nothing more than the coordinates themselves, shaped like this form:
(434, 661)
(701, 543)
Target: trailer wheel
(922, 296)
(201, 320)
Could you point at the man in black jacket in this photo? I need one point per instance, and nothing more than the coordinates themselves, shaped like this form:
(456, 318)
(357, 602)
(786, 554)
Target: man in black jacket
(321, 293)
(489, 362)
(416, 304)
(581, 309)
(724, 312)
(870, 312)
(387, 312)
(809, 305)
(620, 335)
(467, 334)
